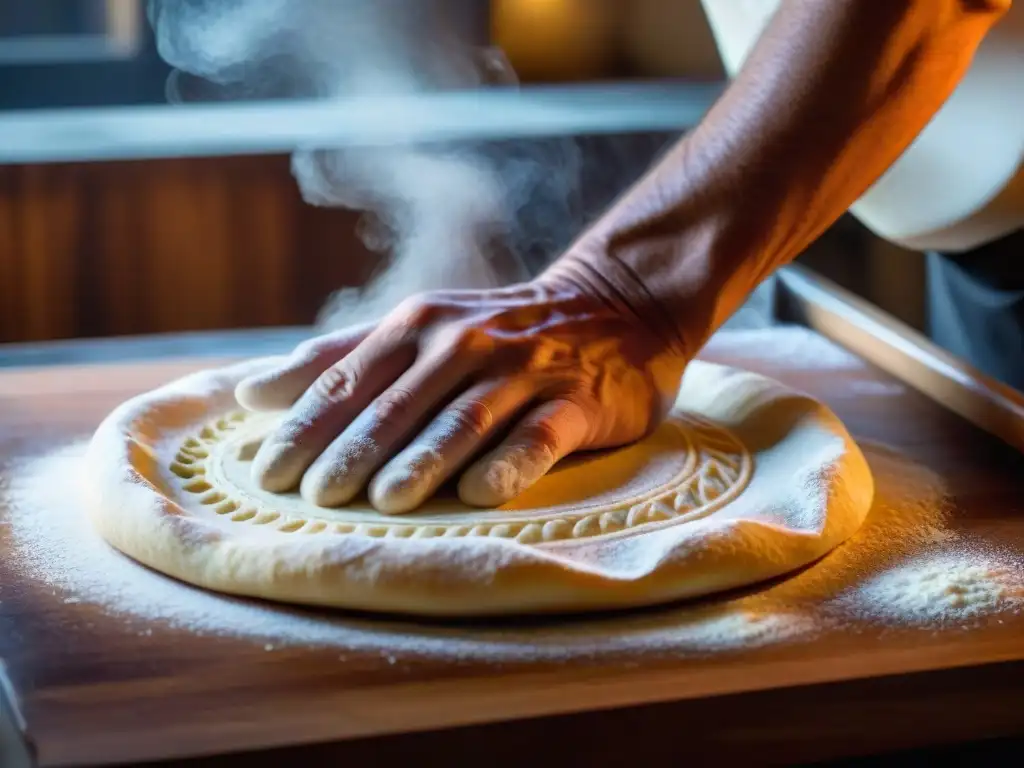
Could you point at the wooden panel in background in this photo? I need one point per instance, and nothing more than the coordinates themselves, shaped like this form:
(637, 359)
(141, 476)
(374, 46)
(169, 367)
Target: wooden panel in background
(47, 225)
(105, 249)
(10, 300)
(99, 249)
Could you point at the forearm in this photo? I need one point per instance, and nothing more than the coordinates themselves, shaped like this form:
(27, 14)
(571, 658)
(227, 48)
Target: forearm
(830, 97)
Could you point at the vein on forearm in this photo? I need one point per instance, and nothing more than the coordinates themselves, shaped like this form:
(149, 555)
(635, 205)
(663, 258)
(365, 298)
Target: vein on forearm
(830, 97)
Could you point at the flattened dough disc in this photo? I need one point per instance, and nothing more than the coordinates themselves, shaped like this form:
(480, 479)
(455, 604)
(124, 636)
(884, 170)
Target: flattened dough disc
(745, 481)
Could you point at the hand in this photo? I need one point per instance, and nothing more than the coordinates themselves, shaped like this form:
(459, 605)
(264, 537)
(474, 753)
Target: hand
(533, 372)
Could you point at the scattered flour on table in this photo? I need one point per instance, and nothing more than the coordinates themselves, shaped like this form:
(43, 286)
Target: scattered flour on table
(795, 346)
(896, 568)
(55, 544)
(905, 567)
(943, 590)
(870, 388)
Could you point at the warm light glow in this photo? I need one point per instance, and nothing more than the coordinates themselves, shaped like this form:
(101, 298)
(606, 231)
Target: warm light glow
(556, 39)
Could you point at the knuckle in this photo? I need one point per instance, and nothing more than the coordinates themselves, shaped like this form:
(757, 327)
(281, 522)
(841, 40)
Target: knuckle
(470, 339)
(417, 311)
(456, 344)
(393, 406)
(473, 417)
(542, 433)
(336, 383)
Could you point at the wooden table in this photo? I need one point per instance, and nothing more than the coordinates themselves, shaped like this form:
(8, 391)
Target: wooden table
(94, 692)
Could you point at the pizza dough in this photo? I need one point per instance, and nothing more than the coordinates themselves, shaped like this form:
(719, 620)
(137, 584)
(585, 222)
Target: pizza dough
(745, 481)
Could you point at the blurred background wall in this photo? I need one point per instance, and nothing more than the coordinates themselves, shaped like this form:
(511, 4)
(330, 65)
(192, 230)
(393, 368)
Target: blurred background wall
(99, 249)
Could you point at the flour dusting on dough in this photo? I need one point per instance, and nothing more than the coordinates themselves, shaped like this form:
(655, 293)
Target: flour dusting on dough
(794, 346)
(863, 583)
(508, 474)
(909, 515)
(759, 480)
(54, 543)
(407, 481)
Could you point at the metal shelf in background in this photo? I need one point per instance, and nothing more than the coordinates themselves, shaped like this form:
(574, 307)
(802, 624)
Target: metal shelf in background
(251, 342)
(808, 299)
(246, 128)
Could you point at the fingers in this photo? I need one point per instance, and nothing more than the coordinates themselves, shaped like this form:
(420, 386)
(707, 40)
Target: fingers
(278, 387)
(336, 397)
(344, 468)
(544, 437)
(447, 443)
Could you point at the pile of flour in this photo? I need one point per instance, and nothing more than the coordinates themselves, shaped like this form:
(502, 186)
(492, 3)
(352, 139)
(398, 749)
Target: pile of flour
(945, 589)
(904, 567)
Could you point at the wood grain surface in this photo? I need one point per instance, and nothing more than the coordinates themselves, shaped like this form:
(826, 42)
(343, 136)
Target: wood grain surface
(95, 691)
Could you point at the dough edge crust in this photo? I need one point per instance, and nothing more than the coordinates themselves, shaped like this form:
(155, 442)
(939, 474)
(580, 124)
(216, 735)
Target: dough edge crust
(480, 576)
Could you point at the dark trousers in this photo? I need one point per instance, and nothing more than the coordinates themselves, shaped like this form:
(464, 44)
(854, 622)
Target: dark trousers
(976, 306)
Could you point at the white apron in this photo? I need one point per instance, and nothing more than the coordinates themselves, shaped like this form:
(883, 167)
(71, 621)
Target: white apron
(961, 183)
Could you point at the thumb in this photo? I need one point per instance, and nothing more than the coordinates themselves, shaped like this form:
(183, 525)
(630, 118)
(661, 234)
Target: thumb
(277, 388)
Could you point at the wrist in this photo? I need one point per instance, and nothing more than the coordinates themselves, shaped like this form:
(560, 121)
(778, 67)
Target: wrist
(681, 281)
(589, 265)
